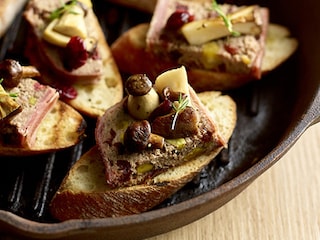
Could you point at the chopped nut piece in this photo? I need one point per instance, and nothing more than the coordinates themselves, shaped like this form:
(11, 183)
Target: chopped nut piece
(146, 167)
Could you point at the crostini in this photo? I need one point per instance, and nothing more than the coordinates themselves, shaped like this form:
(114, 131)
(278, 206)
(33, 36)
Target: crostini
(146, 152)
(32, 119)
(67, 45)
(222, 46)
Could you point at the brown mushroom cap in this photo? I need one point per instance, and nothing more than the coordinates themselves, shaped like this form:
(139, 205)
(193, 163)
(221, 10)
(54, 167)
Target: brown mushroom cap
(138, 85)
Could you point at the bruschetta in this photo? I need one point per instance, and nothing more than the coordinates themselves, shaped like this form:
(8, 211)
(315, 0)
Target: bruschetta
(67, 45)
(217, 55)
(32, 118)
(134, 167)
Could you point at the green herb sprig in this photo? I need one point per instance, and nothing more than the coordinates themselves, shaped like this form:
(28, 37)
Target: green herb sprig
(64, 8)
(183, 102)
(13, 95)
(225, 18)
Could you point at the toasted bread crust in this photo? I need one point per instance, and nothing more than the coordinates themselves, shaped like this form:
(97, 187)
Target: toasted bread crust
(85, 194)
(279, 47)
(8, 11)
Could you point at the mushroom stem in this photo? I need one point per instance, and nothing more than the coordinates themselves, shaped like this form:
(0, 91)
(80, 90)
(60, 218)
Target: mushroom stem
(29, 72)
(156, 141)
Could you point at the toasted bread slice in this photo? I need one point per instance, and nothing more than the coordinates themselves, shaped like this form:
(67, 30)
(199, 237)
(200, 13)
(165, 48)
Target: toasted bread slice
(61, 128)
(142, 5)
(85, 194)
(145, 6)
(93, 97)
(8, 11)
(279, 47)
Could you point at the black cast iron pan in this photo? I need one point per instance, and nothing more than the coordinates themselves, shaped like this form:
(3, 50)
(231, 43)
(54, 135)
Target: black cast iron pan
(272, 114)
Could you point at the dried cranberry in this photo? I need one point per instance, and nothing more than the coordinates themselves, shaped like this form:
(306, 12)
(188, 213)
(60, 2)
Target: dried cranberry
(67, 92)
(94, 54)
(76, 54)
(178, 19)
(230, 49)
(125, 168)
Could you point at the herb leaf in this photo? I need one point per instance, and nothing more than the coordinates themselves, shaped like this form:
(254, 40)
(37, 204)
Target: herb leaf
(183, 102)
(225, 18)
(13, 95)
(61, 10)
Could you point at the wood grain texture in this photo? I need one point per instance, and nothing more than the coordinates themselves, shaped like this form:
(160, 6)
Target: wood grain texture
(281, 204)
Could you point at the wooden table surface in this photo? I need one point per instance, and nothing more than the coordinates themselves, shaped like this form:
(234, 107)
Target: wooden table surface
(283, 203)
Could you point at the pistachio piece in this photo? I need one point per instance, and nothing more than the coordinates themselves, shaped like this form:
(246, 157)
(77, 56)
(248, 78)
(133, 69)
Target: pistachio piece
(210, 53)
(179, 143)
(145, 167)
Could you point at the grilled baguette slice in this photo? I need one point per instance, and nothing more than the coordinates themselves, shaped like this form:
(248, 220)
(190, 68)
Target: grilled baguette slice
(279, 47)
(8, 11)
(144, 5)
(93, 96)
(85, 194)
(61, 128)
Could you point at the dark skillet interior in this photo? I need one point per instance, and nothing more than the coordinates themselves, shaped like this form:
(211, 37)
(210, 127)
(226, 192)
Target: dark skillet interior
(267, 111)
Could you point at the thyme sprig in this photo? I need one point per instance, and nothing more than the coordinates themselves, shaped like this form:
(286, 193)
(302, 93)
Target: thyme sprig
(225, 18)
(182, 103)
(64, 8)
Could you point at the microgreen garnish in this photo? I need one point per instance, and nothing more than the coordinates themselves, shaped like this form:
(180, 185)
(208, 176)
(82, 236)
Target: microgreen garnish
(13, 95)
(183, 102)
(64, 8)
(225, 18)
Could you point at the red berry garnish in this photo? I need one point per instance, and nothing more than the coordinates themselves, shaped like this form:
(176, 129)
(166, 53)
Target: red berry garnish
(230, 49)
(76, 54)
(67, 92)
(178, 19)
